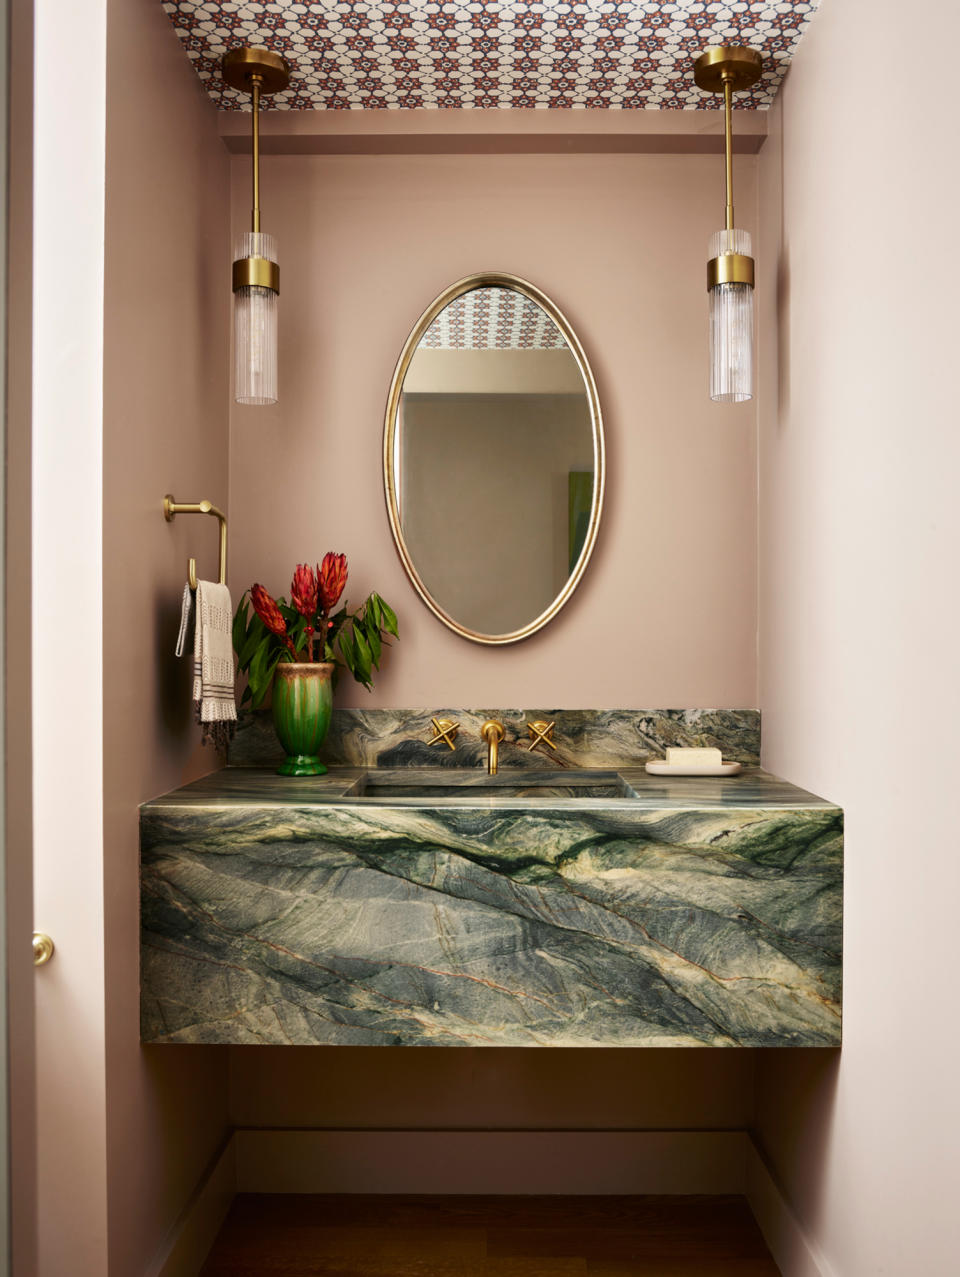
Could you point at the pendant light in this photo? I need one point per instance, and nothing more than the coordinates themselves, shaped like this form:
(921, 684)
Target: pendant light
(726, 69)
(256, 275)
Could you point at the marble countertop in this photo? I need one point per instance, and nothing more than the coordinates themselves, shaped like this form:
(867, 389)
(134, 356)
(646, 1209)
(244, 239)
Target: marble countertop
(260, 787)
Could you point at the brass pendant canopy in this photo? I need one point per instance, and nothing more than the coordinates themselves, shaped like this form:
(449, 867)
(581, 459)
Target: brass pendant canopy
(727, 63)
(239, 66)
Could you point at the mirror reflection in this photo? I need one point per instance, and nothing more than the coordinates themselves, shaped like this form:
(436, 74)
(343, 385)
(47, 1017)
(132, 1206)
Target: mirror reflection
(493, 459)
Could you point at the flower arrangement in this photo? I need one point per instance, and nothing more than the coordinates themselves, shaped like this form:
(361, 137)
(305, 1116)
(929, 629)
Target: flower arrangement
(304, 630)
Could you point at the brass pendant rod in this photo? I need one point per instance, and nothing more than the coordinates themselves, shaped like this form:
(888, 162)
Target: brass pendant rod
(728, 129)
(256, 81)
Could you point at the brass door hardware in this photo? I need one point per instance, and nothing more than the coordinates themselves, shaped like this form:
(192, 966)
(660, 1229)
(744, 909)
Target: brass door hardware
(492, 732)
(43, 948)
(540, 732)
(444, 729)
(172, 508)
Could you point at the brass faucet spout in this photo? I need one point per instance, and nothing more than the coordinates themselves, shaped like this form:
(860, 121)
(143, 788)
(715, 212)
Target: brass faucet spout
(492, 733)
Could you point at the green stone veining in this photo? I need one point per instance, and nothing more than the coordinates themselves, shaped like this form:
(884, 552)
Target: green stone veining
(285, 912)
(585, 737)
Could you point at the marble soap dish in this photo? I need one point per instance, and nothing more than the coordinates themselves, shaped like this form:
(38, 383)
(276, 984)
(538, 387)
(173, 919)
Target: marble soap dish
(691, 762)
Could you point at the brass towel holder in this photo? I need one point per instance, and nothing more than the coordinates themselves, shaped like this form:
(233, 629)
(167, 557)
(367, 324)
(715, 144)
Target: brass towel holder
(172, 508)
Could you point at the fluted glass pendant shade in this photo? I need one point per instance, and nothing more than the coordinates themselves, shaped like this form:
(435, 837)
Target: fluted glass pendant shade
(731, 322)
(255, 327)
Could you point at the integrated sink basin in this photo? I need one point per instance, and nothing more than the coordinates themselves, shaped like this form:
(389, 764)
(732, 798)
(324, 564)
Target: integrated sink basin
(554, 785)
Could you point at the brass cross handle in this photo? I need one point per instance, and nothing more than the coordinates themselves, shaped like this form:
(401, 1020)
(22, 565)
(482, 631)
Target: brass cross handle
(540, 731)
(444, 729)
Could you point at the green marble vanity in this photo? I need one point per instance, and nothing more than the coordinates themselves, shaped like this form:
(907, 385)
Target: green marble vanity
(545, 906)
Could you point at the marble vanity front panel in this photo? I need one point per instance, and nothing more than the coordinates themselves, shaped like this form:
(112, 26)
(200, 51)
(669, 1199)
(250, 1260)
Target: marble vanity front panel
(584, 737)
(697, 914)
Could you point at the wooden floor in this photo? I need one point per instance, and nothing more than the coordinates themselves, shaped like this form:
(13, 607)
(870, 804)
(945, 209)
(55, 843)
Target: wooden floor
(299, 1236)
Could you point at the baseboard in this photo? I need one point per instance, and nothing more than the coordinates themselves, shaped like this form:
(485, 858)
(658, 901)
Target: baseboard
(485, 1162)
(186, 1245)
(795, 1253)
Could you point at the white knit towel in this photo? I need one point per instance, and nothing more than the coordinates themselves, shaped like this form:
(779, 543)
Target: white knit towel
(213, 675)
(185, 605)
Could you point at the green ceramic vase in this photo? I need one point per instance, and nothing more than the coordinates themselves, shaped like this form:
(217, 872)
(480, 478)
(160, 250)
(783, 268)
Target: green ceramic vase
(302, 704)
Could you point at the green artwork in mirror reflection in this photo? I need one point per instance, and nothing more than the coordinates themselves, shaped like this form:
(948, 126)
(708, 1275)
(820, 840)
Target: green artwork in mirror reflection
(580, 500)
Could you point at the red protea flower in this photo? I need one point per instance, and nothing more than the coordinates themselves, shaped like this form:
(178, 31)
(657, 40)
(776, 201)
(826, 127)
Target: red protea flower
(269, 614)
(303, 591)
(331, 578)
(267, 610)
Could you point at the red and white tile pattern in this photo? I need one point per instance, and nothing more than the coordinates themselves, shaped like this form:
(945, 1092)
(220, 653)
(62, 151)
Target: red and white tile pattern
(351, 55)
(493, 319)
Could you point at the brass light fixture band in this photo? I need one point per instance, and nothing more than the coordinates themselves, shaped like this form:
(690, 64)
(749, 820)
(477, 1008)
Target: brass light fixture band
(729, 268)
(256, 272)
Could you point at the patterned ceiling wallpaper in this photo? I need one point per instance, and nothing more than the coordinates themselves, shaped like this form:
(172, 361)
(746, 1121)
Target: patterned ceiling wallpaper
(423, 53)
(493, 319)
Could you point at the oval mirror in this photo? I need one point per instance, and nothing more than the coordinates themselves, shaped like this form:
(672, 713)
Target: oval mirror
(493, 458)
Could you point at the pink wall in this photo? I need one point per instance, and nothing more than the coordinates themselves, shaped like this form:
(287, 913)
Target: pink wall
(167, 307)
(619, 242)
(18, 760)
(377, 1088)
(860, 525)
(66, 624)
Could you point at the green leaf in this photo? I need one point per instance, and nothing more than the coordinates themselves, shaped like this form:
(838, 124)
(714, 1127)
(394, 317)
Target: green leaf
(264, 678)
(255, 672)
(257, 635)
(364, 657)
(389, 618)
(372, 608)
(373, 638)
(347, 652)
(240, 624)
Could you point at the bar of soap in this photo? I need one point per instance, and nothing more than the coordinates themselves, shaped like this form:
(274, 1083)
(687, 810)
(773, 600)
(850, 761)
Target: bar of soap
(693, 758)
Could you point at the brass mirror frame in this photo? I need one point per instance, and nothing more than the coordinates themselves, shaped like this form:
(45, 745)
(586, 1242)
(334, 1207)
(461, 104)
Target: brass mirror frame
(492, 279)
